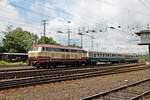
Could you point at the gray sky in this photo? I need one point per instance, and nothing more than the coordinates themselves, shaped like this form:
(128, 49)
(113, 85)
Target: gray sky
(130, 15)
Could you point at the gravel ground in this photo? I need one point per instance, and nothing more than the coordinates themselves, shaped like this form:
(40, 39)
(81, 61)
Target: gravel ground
(75, 89)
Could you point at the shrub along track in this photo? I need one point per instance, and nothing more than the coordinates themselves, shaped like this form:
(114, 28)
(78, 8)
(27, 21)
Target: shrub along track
(69, 74)
(134, 91)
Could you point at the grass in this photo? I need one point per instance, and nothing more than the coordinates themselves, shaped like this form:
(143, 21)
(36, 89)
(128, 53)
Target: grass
(9, 64)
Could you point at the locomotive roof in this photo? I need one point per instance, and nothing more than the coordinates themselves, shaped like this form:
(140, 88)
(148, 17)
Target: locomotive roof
(57, 46)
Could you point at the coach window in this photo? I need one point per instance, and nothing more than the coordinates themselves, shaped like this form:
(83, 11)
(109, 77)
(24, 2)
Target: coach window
(103, 55)
(109, 55)
(106, 55)
(100, 55)
(94, 55)
(114, 55)
(90, 54)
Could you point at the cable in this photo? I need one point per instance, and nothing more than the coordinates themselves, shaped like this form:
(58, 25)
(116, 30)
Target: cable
(2, 9)
(23, 8)
(141, 1)
(137, 12)
(16, 22)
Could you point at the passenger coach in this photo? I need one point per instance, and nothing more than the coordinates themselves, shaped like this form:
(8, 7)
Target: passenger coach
(52, 55)
(95, 57)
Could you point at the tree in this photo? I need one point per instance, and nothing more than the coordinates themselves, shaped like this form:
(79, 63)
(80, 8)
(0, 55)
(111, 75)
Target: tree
(2, 49)
(46, 40)
(18, 40)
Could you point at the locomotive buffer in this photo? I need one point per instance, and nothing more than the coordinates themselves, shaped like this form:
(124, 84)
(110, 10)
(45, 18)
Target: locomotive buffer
(145, 40)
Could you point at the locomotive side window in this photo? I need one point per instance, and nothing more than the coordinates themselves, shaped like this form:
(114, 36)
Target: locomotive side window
(43, 49)
(40, 49)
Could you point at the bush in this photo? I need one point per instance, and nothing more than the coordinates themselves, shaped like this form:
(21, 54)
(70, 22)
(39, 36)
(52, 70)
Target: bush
(5, 63)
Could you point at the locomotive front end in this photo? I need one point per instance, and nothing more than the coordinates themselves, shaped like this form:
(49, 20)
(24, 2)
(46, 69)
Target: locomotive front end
(33, 55)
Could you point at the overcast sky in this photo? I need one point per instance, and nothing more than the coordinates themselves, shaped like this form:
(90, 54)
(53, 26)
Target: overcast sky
(127, 16)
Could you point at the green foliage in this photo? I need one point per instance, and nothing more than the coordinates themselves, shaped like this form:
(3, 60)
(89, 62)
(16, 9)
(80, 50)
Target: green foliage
(18, 40)
(5, 63)
(2, 49)
(46, 40)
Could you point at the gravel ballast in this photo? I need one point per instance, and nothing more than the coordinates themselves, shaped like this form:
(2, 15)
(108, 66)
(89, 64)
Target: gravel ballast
(75, 89)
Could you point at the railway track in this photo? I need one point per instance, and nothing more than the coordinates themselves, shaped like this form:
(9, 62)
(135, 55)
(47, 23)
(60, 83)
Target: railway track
(134, 91)
(64, 76)
(12, 74)
(57, 68)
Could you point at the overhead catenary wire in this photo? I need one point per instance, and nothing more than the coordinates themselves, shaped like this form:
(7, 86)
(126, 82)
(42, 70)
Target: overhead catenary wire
(144, 3)
(33, 12)
(26, 9)
(55, 8)
(68, 13)
(7, 19)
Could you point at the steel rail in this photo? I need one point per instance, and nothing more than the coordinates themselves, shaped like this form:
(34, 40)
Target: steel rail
(37, 72)
(57, 68)
(140, 96)
(57, 78)
(135, 97)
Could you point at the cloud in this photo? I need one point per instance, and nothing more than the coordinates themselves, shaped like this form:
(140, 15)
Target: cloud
(8, 15)
(90, 14)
